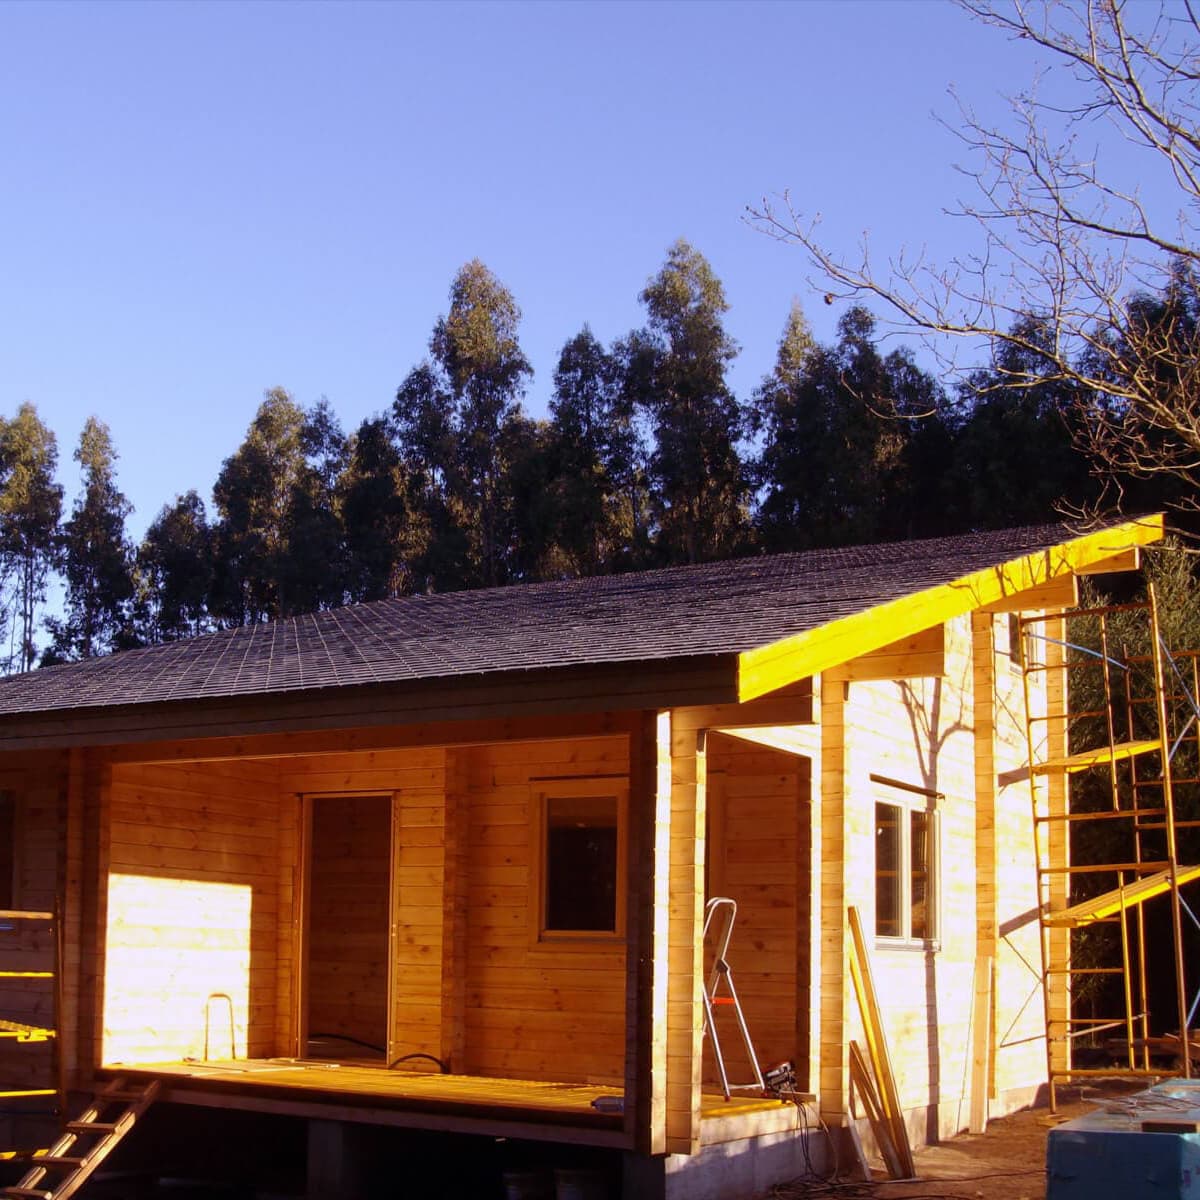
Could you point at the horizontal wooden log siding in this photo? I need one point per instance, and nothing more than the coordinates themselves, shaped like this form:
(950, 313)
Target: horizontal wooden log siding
(921, 733)
(938, 736)
(551, 1010)
(416, 780)
(193, 888)
(757, 837)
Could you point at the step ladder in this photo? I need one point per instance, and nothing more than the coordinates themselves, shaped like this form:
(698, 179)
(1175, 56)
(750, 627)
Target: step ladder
(85, 1144)
(720, 913)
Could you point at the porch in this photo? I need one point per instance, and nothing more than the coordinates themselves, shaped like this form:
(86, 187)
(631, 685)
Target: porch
(518, 1108)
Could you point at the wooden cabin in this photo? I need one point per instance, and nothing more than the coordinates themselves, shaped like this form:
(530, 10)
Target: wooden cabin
(441, 863)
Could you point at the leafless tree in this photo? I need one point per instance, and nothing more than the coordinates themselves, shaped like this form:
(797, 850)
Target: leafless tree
(1072, 267)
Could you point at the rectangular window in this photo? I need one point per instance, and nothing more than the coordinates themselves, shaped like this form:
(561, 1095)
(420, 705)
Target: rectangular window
(1030, 637)
(905, 867)
(582, 859)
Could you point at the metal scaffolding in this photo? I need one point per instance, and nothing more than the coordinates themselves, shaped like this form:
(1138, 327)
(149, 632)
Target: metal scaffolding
(1114, 733)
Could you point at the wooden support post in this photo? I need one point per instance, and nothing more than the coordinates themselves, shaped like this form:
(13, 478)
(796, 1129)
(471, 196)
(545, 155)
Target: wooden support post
(646, 957)
(833, 993)
(97, 787)
(981, 1044)
(685, 936)
(984, 706)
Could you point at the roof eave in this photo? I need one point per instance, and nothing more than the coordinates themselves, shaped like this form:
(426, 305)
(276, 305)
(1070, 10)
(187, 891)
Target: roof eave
(642, 684)
(767, 668)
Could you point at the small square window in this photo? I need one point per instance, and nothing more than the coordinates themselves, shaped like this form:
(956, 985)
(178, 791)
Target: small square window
(582, 859)
(905, 860)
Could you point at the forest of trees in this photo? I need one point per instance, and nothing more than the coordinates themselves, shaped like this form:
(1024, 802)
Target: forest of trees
(645, 458)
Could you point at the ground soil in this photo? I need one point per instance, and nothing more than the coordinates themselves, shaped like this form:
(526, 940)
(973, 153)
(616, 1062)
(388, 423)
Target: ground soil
(1005, 1163)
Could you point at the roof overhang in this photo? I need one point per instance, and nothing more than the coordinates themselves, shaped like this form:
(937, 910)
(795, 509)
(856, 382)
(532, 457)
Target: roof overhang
(1114, 548)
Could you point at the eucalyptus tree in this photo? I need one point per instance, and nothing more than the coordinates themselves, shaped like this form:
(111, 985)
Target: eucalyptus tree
(97, 558)
(384, 531)
(454, 415)
(595, 491)
(30, 511)
(253, 494)
(175, 570)
(676, 367)
(854, 442)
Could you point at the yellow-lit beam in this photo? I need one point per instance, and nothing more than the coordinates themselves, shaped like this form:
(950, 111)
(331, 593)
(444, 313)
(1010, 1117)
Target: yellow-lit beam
(922, 655)
(791, 739)
(1127, 560)
(1111, 903)
(1059, 593)
(766, 668)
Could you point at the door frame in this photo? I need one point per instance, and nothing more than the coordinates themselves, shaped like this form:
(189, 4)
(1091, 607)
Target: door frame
(304, 877)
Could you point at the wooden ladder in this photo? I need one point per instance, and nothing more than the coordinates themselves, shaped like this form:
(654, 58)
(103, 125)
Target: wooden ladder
(87, 1142)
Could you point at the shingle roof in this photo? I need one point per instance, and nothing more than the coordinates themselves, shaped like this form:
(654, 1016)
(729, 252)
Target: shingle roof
(714, 608)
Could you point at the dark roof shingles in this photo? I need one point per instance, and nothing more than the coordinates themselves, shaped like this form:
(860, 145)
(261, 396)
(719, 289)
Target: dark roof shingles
(712, 608)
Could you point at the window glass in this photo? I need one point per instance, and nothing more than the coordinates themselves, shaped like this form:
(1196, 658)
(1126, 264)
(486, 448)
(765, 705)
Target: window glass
(905, 868)
(919, 858)
(581, 866)
(887, 871)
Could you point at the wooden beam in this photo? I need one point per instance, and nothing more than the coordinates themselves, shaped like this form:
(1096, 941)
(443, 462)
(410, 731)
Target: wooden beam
(804, 740)
(868, 1003)
(1058, 593)
(518, 696)
(921, 655)
(1127, 560)
(426, 735)
(766, 668)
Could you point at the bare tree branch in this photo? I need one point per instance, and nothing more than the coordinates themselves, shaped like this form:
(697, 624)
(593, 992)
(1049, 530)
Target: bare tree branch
(1073, 268)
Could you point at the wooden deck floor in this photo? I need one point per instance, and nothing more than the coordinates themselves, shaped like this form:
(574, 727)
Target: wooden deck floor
(344, 1091)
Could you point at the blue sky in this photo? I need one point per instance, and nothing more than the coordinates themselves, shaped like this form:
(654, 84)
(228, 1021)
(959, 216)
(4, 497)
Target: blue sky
(204, 200)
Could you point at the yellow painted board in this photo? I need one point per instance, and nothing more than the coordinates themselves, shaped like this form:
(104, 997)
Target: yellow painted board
(1111, 903)
(766, 668)
(1097, 757)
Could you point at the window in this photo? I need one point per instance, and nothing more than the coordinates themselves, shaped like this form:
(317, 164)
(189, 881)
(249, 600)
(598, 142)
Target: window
(582, 859)
(1033, 636)
(905, 865)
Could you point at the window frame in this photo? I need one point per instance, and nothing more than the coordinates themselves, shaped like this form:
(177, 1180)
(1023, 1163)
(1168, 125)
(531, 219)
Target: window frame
(1020, 638)
(580, 787)
(909, 800)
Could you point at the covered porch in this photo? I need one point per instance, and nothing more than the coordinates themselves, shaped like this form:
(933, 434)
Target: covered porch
(321, 926)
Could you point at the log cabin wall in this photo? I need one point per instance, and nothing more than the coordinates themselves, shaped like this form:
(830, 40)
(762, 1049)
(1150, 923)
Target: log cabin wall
(533, 1009)
(918, 736)
(193, 894)
(416, 781)
(758, 837)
